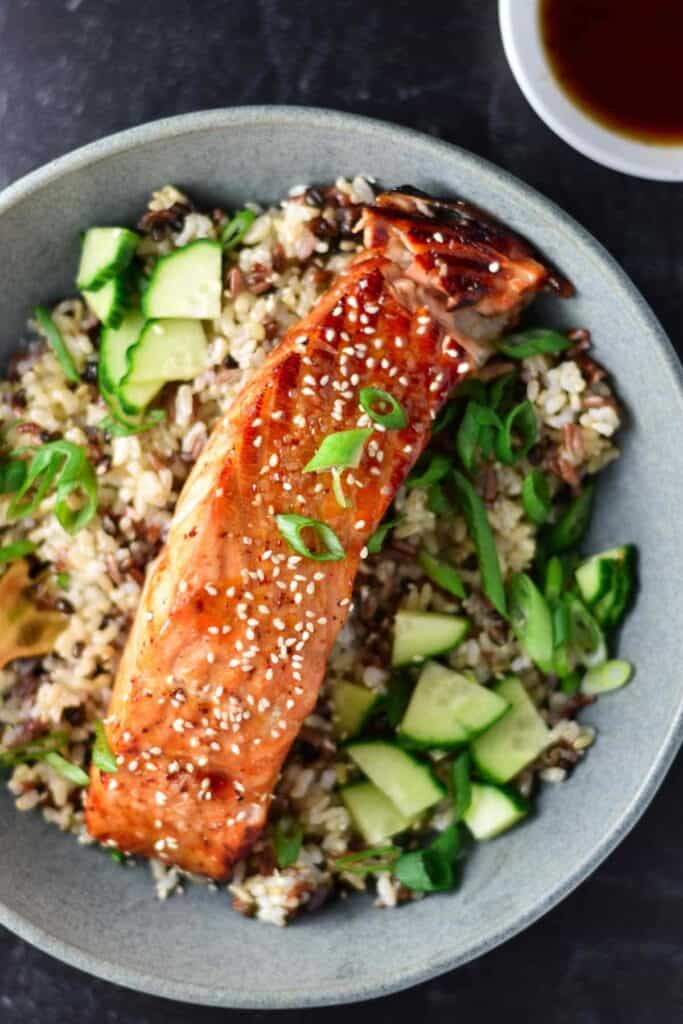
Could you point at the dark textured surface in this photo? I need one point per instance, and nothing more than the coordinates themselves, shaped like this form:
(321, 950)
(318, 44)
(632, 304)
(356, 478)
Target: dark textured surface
(72, 71)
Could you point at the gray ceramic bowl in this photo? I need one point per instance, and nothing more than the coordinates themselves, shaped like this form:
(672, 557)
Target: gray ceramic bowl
(72, 901)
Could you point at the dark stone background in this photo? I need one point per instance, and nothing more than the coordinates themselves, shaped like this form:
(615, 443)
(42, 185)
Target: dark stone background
(74, 70)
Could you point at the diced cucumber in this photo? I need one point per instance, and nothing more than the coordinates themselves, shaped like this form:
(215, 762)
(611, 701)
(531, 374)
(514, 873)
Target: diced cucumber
(420, 635)
(351, 705)
(446, 709)
(514, 742)
(187, 283)
(410, 785)
(611, 675)
(114, 345)
(166, 350)
(105, 253)
(492, 811)
(373, 813)
(111, 302)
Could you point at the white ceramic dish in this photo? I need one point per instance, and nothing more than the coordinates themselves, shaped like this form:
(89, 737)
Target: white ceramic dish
(520, 29)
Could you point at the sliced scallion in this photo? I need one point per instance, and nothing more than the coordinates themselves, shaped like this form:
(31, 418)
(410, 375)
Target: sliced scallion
(501, 392)
(71, 772)
(54, 338)
(102, 754)
(462, 786)
(287, 841)
(437, 501)
(431, 869)
(374, 860)
(536, 497)
(12, 475)
(342, 450)
(441, 573)
(554, 578)
(531, 620)
(611, 675)
(533, 342)
(480, 531)
(17, 550)
(34, 750)
(430, 470)
(476, 428)
(117, 427)
(572, 524)
(445, 417)
(393, 419)
(586, 639)
(65, 464)
(236, 228)
(290, 525)
(376, 542)
(521, 424)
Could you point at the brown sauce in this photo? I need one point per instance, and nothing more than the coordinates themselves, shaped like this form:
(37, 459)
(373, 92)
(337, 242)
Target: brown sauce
(621, 61)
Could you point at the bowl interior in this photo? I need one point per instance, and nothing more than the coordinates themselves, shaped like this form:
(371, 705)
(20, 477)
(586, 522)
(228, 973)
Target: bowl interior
(72, 901)
(519, 24)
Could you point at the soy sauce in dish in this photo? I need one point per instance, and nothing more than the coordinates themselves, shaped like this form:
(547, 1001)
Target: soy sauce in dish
(621, 62)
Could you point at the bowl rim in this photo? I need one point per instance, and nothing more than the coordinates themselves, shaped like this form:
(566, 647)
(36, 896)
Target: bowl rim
(184, 124)
(520, 31)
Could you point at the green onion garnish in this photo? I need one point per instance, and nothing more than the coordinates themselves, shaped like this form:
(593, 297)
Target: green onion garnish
(536, 497)
(441, 573)
(290, 525)
(586, 639)
(520, 422)
(117, 856)
(71, 772)
(430, 470)
(562, 661)
(236, 228)
(12, 551)
(462, 787)
(534, 342)
(56, 341)
(287, 840)
(66, 464)
(376, 542)
(437, 502)
(572, 524)
(554, 578)
(475, 432)
(431, 869)
(63, 580)
(102, 754)
(501, 391)
(12, 476)
(394, 419)
(34, 750)
(571, 684)
(342, 450)
(117, 427)
(480, 531)
(445, 417)
(531, 620)
(610, 676)
(374, 860)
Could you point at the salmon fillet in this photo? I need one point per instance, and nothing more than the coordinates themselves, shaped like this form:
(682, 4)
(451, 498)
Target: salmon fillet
(228, 649)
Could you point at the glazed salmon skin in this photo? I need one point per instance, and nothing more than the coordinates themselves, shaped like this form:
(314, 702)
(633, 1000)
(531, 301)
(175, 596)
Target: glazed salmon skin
(228, 649)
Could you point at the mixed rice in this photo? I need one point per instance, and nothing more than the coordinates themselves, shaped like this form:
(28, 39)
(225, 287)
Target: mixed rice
(288, 257)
